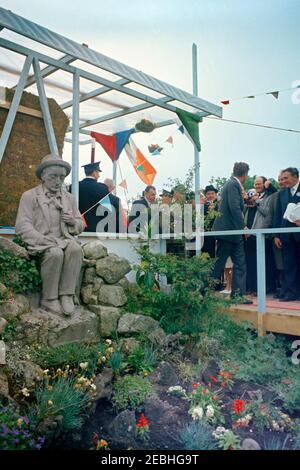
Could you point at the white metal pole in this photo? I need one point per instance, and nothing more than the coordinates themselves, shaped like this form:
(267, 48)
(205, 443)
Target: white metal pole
(196, 158)
(115, 177)
(75, 136)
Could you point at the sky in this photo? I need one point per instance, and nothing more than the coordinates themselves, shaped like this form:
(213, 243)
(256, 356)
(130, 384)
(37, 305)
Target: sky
(244, 48)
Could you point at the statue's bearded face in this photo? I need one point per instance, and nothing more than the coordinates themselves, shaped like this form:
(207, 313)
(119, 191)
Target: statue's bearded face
(53, 177)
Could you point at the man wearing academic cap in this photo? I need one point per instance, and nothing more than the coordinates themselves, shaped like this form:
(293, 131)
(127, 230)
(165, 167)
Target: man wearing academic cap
(47, 220)
(90, 193)
(211, 208)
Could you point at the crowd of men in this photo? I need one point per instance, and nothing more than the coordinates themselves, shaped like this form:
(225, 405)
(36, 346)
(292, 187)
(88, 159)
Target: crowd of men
(264, 206)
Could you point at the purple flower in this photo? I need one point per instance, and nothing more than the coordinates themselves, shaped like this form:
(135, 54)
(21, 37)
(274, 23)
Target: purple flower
(38, 446)
(26, 433)
(5, 429)
(41, 440)
(16, 441)
(15, 432)
(25, 419)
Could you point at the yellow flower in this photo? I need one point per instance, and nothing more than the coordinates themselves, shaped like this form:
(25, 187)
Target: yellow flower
(102, 444)
(84, 365)
(108, 341)
(145, 374)
(50, 402)
(50, 388)
(20, 422)
(25, 392)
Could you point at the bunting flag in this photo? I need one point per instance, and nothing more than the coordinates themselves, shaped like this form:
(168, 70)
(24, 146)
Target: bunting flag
(124, 216)
(170, 141)
(155, 149)
(190, 126)
(113, 144)
(123, 184)
(142, 166)
(275, 94)
(106, 203)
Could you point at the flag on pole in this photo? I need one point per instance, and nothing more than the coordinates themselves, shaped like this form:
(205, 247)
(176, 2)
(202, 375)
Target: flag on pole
(190, 123)
(105, 202)
(274, 93)
(142, 166)
(113, 144)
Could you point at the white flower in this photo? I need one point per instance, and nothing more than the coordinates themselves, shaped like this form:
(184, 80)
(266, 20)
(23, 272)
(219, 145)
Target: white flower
(176, 390)
(83, 365)
(93, 387)
(219, 432)
(210, 411)
(197, 412)
(25, 392)
(108, 341)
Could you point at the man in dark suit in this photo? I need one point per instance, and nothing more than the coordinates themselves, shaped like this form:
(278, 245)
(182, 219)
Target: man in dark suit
(289, 242)
(140, 214)
(90, 193)
(211, 207)
(232, 218)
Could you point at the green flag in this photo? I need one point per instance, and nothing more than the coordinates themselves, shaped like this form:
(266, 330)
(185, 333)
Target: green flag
(190, 123)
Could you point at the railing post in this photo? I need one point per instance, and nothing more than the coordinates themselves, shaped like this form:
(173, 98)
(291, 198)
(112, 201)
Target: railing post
(261, 280)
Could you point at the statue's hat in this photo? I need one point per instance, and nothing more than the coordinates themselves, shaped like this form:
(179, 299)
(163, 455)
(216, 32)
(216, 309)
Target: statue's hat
(52, 160)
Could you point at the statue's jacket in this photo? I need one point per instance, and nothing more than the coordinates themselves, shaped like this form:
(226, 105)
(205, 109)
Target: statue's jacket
(33, 222)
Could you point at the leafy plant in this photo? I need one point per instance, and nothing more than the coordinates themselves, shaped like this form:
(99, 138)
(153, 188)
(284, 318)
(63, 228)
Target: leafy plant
(17, 432)
(18, 274)
(71, 354)
(131, 391)
(61, 403)
(198, 436)
(142, 359)
(115, 361)
(227, 440)
(275, 443)
(10, 331)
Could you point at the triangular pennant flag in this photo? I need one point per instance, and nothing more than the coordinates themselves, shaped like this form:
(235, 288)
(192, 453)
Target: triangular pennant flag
(106, 203)
(156, 152)
(123, 184)
(170, 140)
(142, 166)
(250, 96)
(191, 129)
(225, 102)
(154, 148)
(274, 93)
(113, 144)
(181, 129)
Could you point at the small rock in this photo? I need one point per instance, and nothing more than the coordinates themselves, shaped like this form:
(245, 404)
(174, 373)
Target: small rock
(112, 295)
(112, 268)
(165, 374)
(89, 276)
(134, 323)
(14, 248)
(109, 317)
(250, 444)
(88, 295)
(103, 383)
(94, 250)
(4, 388)
(2, 353)
(211, 370)
(129, 344)
(161, 412)
(15, 307)
(3, 290)
(29, 372)
(3, 324)
(123, 428)
(98, 283)
(124, 282)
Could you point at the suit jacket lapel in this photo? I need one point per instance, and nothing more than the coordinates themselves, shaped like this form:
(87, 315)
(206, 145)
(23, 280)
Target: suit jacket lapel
(43, 203)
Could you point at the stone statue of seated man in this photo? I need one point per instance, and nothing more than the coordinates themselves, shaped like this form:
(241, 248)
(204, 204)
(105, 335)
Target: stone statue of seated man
(47, 220)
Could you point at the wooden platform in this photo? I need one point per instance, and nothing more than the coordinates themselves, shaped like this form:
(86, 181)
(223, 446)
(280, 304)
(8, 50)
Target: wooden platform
(280, 317)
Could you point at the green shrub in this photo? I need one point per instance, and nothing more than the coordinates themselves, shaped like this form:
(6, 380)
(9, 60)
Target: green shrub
(18, 274)
(115, 361)
(142, 359)
(131, 391)
(10, 331)
(275, 443)
(198, 436)
(68, 354)
(61, 403)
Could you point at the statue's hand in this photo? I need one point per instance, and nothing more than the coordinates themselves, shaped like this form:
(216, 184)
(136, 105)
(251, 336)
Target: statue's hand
(68, 219)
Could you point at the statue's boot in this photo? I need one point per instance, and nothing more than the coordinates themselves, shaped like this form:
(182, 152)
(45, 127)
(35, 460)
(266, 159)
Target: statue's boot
(67, 304)
(52, 306)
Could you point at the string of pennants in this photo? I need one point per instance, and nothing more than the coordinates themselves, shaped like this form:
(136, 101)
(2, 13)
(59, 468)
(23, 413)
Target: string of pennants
(275, 94)
(114, 145)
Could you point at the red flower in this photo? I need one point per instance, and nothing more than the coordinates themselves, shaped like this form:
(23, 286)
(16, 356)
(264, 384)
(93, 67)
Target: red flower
(214, 397)
(142, 421)
(95, 438)
(195, 385)
(204, 390)
(213, 379)
(238, 406)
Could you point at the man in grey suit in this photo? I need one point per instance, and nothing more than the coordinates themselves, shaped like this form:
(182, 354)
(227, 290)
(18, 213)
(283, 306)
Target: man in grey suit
(232, 218)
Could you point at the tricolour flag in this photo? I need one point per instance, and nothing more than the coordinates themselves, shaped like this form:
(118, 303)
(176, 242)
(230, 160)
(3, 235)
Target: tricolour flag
(142, 166)
(105, 202)
(113, 144)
